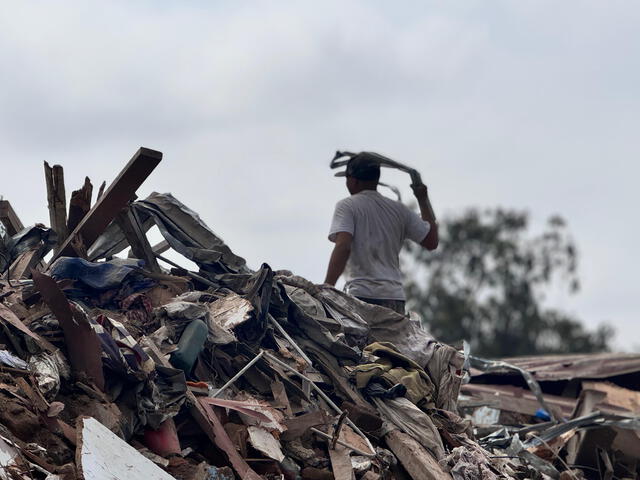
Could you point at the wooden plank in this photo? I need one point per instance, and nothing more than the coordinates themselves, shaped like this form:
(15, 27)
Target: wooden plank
(79, 204)
(161, 247)
(341, 463)
(21, 266)
(56, 200)
(517, 399)
(415, 459)
(158, 249)
(102, 455)
(11, 318)
(9, 218)
(113, 200)
(615, 395)
(140, 246)
(298, 426)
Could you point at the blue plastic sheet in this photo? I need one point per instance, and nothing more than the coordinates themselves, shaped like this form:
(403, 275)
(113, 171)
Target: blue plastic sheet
(123, 277)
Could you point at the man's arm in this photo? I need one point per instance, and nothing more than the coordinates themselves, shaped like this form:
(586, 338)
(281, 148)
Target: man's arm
(430, 242)
(339, 257)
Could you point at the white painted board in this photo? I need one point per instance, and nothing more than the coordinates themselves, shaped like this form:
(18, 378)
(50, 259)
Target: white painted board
(105, 456)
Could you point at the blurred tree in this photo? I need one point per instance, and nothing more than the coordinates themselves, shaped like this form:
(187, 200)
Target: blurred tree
(486, 282)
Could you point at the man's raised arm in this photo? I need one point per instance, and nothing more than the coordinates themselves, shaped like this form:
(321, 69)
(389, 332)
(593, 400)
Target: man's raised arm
(430, 242)
(339, 257)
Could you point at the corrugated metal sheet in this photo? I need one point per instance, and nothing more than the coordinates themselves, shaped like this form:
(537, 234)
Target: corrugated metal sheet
(566, 367)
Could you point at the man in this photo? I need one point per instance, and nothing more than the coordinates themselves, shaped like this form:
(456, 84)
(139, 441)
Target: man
(369, 229)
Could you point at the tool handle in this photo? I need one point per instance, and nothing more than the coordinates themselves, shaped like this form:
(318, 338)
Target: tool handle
(416, 179)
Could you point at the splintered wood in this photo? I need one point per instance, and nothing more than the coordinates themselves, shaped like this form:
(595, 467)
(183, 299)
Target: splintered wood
(57, 200)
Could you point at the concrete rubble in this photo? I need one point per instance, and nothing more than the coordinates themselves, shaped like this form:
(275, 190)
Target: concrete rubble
(116, 362)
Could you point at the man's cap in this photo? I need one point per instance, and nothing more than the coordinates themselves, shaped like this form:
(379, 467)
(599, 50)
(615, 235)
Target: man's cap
(363, 166)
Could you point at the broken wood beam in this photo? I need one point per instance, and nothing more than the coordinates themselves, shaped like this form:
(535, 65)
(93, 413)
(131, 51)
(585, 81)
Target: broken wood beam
(415, 459)
(112, 201)
(140, 247)
(56, 200)
(103, 185)
(9, 218)
(341, 463)
(21, 266)
(79, 204)
(7, 316)
(158, 249)
(83, 344)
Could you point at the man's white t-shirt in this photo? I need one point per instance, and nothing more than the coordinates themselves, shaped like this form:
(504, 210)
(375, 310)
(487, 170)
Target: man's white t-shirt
(379, 227)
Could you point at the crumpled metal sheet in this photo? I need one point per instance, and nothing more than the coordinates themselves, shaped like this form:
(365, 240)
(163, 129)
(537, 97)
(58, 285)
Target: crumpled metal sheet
(185, 231)
(27, 239)
(308, 317)
(357, 317)
(355, 327)
(182, 228)
(48, 370)
(592, 420)
(327, 306)
(571, 366)
(488, 366)
(360, 323)
(385, 325)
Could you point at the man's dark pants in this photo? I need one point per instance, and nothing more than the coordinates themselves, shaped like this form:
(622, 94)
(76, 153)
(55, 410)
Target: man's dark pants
(395, 305)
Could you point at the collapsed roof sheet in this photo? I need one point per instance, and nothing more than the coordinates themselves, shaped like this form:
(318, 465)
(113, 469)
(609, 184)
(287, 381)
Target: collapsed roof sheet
(572, 366)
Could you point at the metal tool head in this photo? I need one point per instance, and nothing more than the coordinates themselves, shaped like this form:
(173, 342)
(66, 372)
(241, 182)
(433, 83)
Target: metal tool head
(341, 159)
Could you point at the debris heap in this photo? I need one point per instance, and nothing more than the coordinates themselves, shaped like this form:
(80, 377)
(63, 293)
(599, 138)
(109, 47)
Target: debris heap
(117, 363)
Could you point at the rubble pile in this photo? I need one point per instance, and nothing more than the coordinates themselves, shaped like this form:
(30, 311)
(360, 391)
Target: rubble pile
(117, 363)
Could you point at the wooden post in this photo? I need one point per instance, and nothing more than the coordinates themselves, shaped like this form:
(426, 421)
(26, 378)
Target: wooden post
(128, 223)
(9, 218)
(57, 201)
(101, 190)
(79, 204)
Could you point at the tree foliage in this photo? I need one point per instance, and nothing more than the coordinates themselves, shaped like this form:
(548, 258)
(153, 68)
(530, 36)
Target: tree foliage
(487, 280)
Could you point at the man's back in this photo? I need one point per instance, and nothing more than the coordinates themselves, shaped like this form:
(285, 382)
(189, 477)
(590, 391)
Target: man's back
(379, 227)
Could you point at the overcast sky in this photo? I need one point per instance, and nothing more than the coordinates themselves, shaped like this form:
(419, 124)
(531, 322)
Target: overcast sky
(525, 104)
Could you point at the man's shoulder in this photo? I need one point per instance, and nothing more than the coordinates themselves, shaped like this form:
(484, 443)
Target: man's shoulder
(392, 203)
(345, 202)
